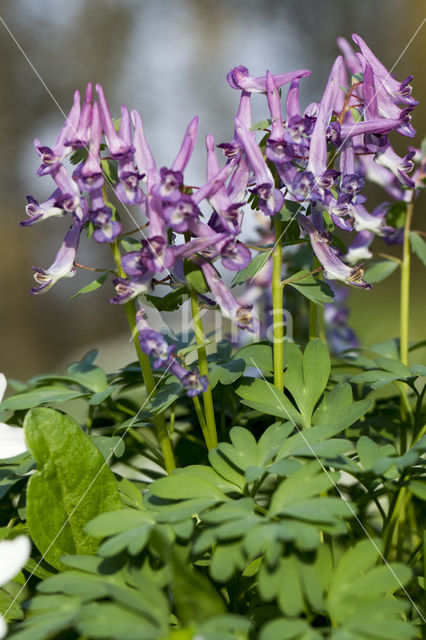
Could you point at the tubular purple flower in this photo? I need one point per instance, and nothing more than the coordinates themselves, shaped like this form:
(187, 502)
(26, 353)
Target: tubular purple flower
(334, 269)
(270, 199)
(229, 307)
(179, 214)
(399, 166)
(277, 149)
(199, 245)
(107, 229)
(128, 190)
(128, 289)
(37, 212)
(234, 255)
(169, 185)
(233, 148)
(187, 147)
(351, 59)
(79, 136)
(240, 78)
(90, 176)
(144, 159)
(359, 249)
(154, 344)
(399, 91)
(63, 265)
(51, 157)
(117, 146)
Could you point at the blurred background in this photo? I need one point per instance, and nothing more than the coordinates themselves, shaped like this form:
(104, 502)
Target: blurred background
(167, 58)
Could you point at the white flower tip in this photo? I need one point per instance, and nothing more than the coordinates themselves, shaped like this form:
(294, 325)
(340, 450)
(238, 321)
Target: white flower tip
(13, 556)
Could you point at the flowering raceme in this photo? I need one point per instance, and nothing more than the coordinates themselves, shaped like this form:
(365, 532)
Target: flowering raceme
(317, 159)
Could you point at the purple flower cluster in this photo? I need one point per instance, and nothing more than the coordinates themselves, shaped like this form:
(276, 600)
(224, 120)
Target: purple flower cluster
(318, 158)
(155, 345)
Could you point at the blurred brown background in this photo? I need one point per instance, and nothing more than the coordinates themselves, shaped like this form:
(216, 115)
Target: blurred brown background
(168, 58)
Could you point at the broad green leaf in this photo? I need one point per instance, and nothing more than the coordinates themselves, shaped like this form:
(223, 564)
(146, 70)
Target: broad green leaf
(395, 215)
(418, 245)
(52, 394)
(306, 376)
(312, 288)
(95, 284)
(265, 397)
(257, 355)
(72, 484)
(228, 372)
(289, 210)
(195, 277)
(109, 446)
(394, 366)
(195, 481)
(109, 620)
(308, 481)
(250, 271)
(378, 271)
(88, 374)
(285, 629)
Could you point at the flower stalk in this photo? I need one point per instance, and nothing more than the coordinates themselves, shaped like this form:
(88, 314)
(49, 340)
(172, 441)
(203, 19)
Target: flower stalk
(405, 287)
(277, 306)
(147, 375)
(209, 425)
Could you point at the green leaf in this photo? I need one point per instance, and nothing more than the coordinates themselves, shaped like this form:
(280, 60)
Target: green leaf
(195, 481)
(285, 629)
(306, 376)
(95, 284)
(262, 124)
(418, 245)
(195, 277)
(72, 484)
(289, 210)
(171, 301)
(250, 271)
(87, 374)
(312, 288)
(52, 394)
(109, 446)
(229, 372)
(257, 355)
(266, 398)
(378, 271)
(109, 620)
(395, 216)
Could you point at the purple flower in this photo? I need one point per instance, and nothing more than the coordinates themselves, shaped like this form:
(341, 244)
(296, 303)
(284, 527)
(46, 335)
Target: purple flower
(334, 268)
(359, 249)
(63, 265)
(128, 289)
(107, 229)
(128, 190)
(79, 136)
(116, 145)
(234, 255)
(90, 175)
(154, 344)
(277, 149)
(270, 199)
(399, 91)
(233, 148)
(179, 214)
(143, 155)
(51, 157)
(229, 307)
(169, 186)
(240, 78)
(399, 166)
(37, 212)
(187, 147)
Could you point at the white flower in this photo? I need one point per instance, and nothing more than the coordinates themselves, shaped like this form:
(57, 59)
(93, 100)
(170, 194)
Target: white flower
(12, 441)
(13, 556)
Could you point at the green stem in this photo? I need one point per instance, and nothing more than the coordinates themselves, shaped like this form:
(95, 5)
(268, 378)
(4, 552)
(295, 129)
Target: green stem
(210, 434)
(405, 287)
(313, 320)
(394, 517)
(277, 306)
(147, 375)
